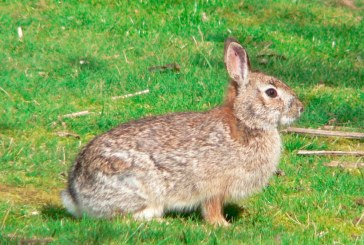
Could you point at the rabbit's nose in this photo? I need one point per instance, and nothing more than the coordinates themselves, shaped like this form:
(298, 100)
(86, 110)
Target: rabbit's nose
(300, 106)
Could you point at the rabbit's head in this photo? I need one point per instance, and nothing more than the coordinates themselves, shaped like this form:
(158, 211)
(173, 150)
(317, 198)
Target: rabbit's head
(259, 101)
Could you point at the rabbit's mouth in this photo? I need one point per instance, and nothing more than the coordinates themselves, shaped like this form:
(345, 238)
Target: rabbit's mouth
(292, 112)
(286, 120)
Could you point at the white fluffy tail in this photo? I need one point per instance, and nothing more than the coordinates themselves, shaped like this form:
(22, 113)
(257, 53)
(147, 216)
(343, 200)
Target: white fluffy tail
(69, 204)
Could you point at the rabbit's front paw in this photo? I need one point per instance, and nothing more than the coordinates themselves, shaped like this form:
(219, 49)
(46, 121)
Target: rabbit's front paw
(212, 211)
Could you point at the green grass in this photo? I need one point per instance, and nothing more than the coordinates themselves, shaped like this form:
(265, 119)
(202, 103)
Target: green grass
(76, 55)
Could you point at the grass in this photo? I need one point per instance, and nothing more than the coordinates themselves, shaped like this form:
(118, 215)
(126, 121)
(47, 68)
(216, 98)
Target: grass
(76, 55)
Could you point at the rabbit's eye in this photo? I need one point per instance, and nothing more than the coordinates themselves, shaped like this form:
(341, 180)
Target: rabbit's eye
(271, 92)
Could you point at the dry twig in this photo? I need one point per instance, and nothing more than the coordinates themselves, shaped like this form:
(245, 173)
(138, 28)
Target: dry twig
(22, 240)
(330, 153)
(67, 134)
(76, 114)
(130, 95)
(319, 132)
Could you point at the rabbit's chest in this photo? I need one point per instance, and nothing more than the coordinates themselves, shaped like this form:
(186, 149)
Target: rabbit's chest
(253, 167)
(260, 154)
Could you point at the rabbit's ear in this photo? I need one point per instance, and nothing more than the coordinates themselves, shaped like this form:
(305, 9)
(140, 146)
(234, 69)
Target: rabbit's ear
(236, 61)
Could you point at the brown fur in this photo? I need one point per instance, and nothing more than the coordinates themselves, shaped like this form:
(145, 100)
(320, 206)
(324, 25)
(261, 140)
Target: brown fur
(212, 211)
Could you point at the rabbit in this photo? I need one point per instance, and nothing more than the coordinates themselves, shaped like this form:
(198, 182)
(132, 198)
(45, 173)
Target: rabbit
(183, 161)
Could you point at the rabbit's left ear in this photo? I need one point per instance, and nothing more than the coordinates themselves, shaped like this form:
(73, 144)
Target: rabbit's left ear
(236, 62)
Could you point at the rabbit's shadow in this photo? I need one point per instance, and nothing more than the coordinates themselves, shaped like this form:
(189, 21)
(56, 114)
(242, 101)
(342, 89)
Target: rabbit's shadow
(232, 212)
(54, 212)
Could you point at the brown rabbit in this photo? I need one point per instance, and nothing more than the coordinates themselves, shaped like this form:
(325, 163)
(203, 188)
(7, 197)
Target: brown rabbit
(186, 160)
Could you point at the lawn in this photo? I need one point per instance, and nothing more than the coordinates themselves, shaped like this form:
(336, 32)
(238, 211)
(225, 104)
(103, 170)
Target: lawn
(74, 56)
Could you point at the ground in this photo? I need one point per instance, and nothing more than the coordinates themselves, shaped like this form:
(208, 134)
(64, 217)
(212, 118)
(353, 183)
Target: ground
(62, 57)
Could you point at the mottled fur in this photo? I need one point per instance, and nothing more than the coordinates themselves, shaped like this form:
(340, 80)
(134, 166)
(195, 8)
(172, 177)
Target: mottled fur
(186, 160)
